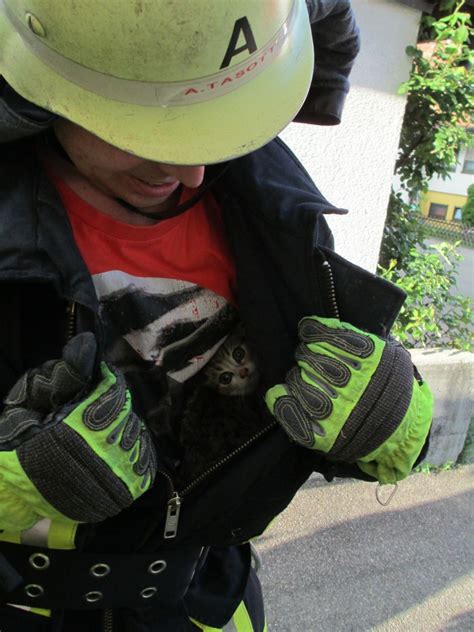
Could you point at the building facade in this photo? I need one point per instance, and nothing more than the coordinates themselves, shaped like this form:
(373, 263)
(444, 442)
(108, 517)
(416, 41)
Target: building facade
(445, 198)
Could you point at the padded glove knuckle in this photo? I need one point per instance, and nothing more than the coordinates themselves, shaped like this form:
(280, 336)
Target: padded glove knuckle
(102, 412)
(131, 432)
(355, 343)
(331, 369)
(84, 460)
(351, 395)
(294, 421)
(16, 422)
(313, 401)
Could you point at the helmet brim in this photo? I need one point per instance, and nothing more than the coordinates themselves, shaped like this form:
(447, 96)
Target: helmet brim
(206, 132)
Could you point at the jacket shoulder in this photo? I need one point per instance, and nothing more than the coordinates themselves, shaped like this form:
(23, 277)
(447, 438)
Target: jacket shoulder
(272, 184)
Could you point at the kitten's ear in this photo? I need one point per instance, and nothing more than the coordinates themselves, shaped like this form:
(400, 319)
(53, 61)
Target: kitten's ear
(240, 327)
(238, 333)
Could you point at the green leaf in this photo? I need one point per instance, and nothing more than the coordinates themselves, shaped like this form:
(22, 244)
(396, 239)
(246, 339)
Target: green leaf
(461, 35)
(447, 5)
(451, 49)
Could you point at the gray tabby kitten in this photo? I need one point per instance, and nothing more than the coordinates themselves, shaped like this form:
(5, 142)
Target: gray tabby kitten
(232, 370)
(223, 412)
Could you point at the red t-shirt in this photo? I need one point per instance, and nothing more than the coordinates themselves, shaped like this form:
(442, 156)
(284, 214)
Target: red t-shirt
(190, 247)
(166, 291)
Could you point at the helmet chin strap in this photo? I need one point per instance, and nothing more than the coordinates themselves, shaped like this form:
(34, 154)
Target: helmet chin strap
(55, 145)
(179, 208)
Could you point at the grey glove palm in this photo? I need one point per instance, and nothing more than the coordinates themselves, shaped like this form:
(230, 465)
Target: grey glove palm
(69, 449)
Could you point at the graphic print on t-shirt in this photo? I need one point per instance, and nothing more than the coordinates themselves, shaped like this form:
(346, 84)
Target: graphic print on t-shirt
(170, 324)
(160, 333)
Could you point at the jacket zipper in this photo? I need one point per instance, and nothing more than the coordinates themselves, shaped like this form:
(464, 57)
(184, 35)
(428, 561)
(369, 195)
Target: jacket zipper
(322, 276)
(108, 620)
(71, 320)
(176, 498)
(330, 288)
(174, 503)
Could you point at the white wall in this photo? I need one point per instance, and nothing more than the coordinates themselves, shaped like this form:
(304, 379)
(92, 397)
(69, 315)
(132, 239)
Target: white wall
(352, 164)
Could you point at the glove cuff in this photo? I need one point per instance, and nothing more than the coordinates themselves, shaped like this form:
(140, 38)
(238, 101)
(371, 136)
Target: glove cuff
(381, 408)
(394, 459)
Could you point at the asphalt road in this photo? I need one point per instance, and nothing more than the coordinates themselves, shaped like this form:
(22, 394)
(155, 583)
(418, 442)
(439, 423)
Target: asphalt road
(465, 279)
(338, 561)
(465, 284)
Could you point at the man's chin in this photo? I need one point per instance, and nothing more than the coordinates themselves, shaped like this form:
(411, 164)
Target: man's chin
(149, 206)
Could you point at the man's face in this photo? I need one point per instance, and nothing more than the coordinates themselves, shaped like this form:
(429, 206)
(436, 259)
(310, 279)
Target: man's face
(144, 184)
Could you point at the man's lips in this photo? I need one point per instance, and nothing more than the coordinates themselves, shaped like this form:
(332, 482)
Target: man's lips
(153, 189)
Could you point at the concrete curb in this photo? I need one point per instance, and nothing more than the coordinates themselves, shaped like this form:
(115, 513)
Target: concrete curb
(450, 375)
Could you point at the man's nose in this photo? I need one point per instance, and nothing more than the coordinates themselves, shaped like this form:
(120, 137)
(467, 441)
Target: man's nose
(190, 176)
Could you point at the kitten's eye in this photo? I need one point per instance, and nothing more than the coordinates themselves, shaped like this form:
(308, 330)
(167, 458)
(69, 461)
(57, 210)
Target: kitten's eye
(238, 354)
(226, 378)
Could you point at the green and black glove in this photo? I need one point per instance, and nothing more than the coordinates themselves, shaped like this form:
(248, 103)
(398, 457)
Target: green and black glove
(354, 397)
(70, 449)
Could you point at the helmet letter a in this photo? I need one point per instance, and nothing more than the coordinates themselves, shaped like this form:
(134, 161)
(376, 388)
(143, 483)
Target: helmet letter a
(241, 26)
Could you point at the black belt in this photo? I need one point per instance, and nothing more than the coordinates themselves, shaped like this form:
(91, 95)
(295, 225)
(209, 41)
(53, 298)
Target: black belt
(56, 579)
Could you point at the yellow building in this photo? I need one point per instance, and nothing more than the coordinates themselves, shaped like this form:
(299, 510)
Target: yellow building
(445, 198)
(444, 206)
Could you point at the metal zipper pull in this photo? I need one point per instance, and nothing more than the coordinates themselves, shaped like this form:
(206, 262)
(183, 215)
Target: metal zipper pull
(172, 517)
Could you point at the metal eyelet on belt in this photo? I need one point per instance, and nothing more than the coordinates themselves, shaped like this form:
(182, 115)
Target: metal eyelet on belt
(146, 593)
(34, 590)
(93, 596)
(158, 566)
(39, 561)
(100, 570)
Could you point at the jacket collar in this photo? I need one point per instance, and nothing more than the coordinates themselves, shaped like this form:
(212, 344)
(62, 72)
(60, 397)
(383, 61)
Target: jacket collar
(36, 241)
(274, 216)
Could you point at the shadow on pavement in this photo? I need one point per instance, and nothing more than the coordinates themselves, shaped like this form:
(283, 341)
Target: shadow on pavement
(461, 623)
(359, 573)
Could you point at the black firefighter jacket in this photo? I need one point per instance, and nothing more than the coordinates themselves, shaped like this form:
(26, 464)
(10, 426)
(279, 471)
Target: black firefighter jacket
(274, 218)
(279, 239)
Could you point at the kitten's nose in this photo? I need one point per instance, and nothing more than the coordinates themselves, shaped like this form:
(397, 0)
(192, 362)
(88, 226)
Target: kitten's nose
(243, 371)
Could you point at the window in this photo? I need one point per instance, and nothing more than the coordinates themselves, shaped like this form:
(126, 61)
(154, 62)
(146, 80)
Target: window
(468, 166)
(438, 211)
(457, 214)
(454, 167)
